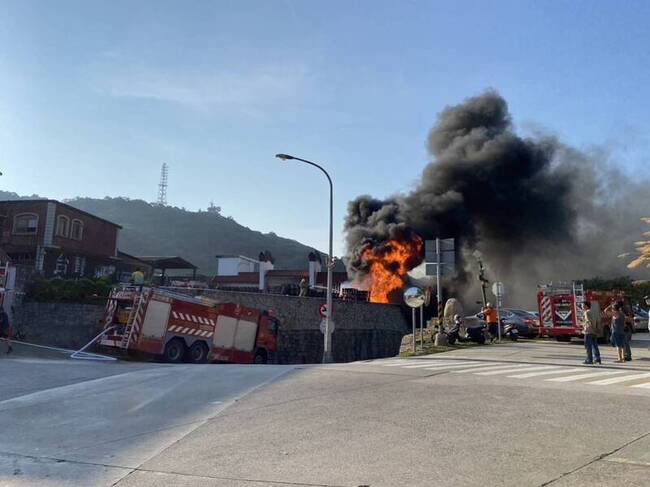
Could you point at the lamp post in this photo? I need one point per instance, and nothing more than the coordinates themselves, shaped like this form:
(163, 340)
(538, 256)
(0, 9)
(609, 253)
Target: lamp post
(327, 344)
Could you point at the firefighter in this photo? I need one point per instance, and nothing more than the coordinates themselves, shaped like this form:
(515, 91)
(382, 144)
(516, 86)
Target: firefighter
(6, 331)
(137, 277)
(490, 317)
(304, 287)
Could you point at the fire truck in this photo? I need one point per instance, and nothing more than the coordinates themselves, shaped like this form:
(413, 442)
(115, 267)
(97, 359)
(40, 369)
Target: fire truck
(561, 309)
(177, 327)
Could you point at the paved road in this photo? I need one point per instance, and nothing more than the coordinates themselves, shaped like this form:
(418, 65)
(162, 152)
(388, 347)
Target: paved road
(486, 416)
(67, 422)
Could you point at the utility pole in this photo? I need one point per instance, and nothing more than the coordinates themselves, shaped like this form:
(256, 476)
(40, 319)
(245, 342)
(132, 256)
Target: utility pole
(329, 323)
(484, 281)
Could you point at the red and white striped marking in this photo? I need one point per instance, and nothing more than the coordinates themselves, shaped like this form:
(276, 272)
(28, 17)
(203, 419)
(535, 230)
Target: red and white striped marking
(547, 314)
(185, 330)
(193, 318)
(110, 311)
(139, 316)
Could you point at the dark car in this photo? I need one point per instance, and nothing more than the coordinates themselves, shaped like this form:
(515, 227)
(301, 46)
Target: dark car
(525, 323)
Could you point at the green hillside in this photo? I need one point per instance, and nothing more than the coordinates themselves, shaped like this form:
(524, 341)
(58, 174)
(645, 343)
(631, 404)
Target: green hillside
(197, 236)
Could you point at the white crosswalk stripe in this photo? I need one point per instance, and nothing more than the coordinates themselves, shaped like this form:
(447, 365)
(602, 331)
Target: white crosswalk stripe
(435, 364)
(512, 368)
(618, 380)
(552, 370)
(521, 371)
(488, 367)
(572, 378)
(403, 363)
(468, 367)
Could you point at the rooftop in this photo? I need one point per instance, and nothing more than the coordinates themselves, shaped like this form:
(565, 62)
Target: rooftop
(167, 262)
(45, 200)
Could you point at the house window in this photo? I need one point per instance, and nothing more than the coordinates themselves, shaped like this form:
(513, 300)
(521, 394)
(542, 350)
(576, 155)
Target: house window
(26, 223)
(62, 226)
(77, 230)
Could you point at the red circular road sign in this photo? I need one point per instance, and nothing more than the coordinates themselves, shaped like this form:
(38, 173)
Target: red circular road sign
(322, 310)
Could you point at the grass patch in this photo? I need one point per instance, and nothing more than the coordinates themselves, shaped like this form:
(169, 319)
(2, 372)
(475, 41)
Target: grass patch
(406, 349)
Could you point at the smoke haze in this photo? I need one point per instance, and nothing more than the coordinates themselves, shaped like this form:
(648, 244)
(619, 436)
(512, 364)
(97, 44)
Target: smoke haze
(535, 208)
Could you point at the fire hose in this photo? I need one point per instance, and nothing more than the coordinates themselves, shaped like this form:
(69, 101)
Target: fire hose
(81, 355)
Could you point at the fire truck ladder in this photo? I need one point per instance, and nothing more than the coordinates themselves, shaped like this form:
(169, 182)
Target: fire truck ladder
(139, 301)
(579, 293)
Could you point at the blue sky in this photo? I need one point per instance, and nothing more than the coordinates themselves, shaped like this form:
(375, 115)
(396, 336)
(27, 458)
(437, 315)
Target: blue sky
(94, 96)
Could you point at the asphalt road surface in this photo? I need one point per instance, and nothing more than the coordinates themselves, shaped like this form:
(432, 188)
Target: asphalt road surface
(522, 414)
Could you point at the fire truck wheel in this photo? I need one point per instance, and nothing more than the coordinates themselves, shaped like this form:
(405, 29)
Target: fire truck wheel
(198, 353)
(174, 350)
(260, 357)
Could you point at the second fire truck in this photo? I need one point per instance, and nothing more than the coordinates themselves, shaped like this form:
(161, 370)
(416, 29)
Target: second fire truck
(561, 309)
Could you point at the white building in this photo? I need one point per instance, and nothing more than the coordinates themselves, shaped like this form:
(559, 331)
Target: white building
(234, 265)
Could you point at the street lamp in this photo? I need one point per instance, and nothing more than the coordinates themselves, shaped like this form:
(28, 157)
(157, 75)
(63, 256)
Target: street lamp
(327, 344)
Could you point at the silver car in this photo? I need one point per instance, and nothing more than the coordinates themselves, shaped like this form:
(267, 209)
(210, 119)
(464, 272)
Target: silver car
(640, 319)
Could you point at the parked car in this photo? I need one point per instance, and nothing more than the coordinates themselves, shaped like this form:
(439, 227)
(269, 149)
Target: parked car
(525, 323)
(640, 319)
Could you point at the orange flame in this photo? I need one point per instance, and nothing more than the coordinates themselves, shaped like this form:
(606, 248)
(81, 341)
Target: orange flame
(388, 264)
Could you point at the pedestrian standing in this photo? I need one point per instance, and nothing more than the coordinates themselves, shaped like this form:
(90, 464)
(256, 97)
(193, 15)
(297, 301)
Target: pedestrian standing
(627, 334)
(490, 317)
(6, 331)
(618, 332)
(591, 330)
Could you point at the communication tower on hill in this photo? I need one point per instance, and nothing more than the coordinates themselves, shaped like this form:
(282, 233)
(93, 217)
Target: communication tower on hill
(162, 186)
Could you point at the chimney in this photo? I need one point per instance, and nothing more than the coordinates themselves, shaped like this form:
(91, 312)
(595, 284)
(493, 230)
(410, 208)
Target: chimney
(314, 267)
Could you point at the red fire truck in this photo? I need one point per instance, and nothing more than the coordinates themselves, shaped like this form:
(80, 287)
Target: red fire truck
(178, 327)
(561, 309)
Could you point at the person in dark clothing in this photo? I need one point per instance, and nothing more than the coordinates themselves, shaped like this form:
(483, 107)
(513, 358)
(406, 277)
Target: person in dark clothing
(618, 332)
(6, 331)
(627, 333)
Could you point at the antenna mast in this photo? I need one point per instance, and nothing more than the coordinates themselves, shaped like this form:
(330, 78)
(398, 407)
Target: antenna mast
(162, 186)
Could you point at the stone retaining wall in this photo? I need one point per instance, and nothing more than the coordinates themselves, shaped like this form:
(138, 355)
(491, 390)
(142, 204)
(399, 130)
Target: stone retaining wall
(362, 330)
(66, 325)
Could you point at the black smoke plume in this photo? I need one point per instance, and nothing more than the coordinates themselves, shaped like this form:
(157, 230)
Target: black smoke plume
(535, 208)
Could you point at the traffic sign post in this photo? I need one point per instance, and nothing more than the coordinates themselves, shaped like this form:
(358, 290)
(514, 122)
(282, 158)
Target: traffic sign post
(498, 289)
(323, 326)
(414, 298)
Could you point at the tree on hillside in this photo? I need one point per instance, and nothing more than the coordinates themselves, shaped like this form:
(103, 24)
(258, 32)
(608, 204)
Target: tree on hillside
(643, 249)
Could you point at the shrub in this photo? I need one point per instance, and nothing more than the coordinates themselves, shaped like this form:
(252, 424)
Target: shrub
(68, 291)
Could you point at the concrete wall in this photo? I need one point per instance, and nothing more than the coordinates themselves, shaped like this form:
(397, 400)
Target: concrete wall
(63, 325)
(362, 330)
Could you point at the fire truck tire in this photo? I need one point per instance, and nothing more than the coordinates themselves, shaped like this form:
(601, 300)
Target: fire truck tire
(563, 339)
(260, 357)
(198, 353)
(174, 350)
